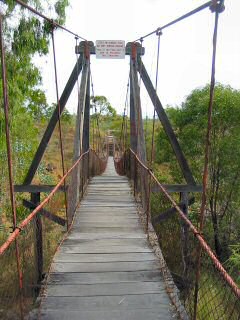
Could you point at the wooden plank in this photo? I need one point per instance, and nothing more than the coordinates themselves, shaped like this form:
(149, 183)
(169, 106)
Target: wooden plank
(105, 229)
(115, 249)
(109, 205)
(66, 267)
(112, 235)
(103, 289)
(75, 240)
(108, 219)
(138, 314)
(105, 277)
(113, 257)
(122, 216)
(127, 302)
(105, 269)
(106, 224)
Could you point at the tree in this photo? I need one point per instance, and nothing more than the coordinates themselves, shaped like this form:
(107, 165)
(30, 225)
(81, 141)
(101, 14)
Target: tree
(102, 107)
(26, 37)
(190, 123)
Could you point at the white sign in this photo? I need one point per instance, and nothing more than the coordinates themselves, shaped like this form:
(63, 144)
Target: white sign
(110, 49)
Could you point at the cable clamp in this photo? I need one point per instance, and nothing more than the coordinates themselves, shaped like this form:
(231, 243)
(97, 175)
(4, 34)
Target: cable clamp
(198, 234)
(217, 6)
(159, 32)
(14, 228)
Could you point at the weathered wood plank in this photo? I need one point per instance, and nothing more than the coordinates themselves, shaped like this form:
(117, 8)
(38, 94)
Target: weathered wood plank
(66, 267)
(112, 235)
(113, 257)
(75, 239)
(139, 314)
(106, 224)
(102, 289)
(105, 277)
(114, 249)
(127, 302)
(105, 269)
(110, 218)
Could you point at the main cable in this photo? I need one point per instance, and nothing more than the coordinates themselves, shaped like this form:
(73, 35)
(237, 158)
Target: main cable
(57, 25)
(187, 15)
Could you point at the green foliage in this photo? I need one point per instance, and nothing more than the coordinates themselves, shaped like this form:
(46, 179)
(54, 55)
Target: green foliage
(233, 263)
(106, 115)
(60, 10)
(65, 116)
(190, 124)
(102, 107)
(26, 37)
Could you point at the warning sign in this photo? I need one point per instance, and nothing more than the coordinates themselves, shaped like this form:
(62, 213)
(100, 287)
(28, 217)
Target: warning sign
(110, 49)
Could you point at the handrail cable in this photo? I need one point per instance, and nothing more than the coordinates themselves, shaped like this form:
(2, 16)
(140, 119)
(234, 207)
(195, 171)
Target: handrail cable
(196, 233)
(25, 222)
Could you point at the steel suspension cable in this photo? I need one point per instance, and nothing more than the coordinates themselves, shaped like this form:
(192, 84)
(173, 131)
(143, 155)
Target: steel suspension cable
(127, 112)
(97, 117)
(159, 33)
(54, 23)
(122, 134)
(126, 115)
(187, 15)
(59, 123)
(78, 86)
(93, 122)
(139, 85)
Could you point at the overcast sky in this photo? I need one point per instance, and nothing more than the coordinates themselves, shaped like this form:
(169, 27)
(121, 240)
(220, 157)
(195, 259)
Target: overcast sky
(185, 53)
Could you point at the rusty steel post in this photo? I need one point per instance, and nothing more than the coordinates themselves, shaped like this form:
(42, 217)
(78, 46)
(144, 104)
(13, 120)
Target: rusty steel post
(9, 157)
(217, 9)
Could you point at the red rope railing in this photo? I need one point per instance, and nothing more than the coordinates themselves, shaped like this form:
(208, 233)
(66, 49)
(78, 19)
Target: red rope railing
(196, 233)
(27, 220)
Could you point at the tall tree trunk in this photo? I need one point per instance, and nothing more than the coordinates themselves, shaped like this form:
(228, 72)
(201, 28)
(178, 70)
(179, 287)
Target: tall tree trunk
(217, 243)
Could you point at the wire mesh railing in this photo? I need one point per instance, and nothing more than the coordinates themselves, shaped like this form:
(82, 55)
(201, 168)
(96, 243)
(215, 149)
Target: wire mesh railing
(205, 291)
(27, 253)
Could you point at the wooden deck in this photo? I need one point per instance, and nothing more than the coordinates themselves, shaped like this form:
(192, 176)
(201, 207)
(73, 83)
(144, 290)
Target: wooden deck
(105, 269)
